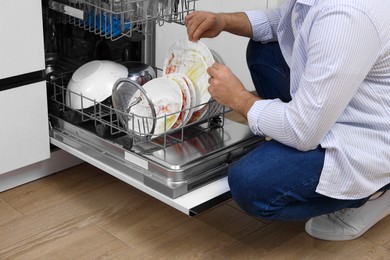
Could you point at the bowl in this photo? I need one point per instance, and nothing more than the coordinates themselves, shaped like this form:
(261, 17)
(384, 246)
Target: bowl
(93, 82)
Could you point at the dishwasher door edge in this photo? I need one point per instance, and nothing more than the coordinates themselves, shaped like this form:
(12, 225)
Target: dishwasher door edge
(192, 203)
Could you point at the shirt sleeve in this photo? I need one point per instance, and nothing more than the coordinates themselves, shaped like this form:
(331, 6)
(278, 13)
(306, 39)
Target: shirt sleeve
(264, 24)
(325, 84)
(256, 116)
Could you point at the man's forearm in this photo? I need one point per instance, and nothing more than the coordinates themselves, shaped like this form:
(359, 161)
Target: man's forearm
(243, 102)
(237, 23)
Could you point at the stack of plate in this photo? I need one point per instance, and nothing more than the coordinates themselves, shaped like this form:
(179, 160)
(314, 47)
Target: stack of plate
(178, 98)
(192, 60)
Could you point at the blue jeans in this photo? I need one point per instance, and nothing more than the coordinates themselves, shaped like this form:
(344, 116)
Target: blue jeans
(275, 181)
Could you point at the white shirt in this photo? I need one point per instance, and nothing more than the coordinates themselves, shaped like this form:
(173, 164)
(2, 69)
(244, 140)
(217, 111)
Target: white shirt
(294, 20)
(340, 88)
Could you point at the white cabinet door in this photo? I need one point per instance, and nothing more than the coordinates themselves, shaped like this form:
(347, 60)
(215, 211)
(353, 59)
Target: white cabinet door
(24, 132)
(21, 48)
(231, 48)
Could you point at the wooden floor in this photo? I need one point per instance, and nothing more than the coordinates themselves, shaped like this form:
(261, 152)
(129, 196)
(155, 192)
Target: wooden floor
(84, 213)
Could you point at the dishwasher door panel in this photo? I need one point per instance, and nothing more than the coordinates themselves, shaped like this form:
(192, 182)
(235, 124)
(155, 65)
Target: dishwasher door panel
(190, 184)
(191, 203)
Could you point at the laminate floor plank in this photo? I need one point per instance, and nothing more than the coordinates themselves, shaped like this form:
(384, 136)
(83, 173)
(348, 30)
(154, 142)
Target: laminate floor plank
(284, 240)
(8, 213)
(192, 240)
(158, 232)
(84, 213)
(143, 224)
(380, 233)
(58, 188)
(62, 219)
(85, 243)
(231, 221)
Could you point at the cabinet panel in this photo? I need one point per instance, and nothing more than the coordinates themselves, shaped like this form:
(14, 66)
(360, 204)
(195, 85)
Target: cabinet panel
(24, 132)
(22, 48)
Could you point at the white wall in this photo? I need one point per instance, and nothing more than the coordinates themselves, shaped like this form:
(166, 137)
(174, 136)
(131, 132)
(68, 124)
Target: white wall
(231, 48)
(275, 3)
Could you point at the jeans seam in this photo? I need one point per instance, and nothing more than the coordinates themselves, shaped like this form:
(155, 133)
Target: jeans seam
(285, 194)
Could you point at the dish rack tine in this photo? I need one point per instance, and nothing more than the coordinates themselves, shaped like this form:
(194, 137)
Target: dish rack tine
(143, 125)
(147, 128)
(105, 19)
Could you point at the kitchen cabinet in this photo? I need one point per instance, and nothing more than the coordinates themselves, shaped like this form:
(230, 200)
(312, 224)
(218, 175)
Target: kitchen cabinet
(24, 132)
(22, 49)
(23, 106)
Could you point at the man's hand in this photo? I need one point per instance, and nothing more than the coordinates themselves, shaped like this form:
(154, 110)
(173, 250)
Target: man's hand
(228, 90)
(201, 24)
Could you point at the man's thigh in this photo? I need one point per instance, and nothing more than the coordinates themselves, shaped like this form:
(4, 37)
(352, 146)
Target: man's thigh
(272, 171)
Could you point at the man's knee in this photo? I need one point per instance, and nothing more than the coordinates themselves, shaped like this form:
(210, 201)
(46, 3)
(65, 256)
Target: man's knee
(249, 191)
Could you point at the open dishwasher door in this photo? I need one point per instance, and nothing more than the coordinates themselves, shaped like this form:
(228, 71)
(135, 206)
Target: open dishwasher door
(190, 176)
(185, 167)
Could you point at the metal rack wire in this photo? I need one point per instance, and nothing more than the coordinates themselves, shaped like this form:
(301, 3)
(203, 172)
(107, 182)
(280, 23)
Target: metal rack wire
(104, 118)
(113, 19)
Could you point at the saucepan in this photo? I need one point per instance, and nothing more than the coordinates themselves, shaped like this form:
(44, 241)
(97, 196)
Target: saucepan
(139, 72)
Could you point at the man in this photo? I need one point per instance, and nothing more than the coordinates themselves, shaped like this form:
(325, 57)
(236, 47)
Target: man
(322, 72)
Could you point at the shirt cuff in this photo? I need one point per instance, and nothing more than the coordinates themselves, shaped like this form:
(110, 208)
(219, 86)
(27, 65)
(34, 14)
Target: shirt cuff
(264, 24)
(265, 118)
(254, 116)
(260, 25)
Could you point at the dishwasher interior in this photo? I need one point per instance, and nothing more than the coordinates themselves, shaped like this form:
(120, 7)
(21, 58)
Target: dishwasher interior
(172, 163)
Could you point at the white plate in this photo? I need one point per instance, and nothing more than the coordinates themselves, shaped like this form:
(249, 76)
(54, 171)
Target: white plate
(167, 99)
(209, 110)
(192, 59)
(189, 98)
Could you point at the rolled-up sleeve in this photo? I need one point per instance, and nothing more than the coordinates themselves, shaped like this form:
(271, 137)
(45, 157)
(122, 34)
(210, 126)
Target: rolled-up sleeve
(266, 111)
(264, 24)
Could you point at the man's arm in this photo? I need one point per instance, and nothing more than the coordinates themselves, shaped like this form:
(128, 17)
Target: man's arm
(201, 24)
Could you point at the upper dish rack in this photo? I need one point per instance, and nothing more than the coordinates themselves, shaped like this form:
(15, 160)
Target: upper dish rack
(104, 120)
(113, 19)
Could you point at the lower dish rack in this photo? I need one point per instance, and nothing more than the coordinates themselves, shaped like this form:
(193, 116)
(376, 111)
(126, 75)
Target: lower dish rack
(103, 118)
(173, 163)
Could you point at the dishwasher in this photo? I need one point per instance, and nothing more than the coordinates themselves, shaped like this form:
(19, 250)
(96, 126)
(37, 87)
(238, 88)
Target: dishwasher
(185, 168)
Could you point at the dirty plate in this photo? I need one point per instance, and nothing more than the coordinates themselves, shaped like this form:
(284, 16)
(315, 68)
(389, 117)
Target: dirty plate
(189, 98)
(167, 99)
(191, 59)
